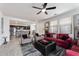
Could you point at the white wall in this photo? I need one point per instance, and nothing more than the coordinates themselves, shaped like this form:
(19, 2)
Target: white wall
(0, 21)
(32, 28)
(1, 40)
(5, 29)
(40, 28)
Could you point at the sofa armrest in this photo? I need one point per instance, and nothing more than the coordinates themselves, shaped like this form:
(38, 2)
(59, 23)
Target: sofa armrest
(71, 53)
(69, 41)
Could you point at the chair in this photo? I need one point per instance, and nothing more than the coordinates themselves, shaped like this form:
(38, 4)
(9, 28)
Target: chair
(25, 39)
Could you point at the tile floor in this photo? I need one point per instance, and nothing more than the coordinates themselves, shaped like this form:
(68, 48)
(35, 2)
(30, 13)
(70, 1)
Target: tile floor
(11, 49)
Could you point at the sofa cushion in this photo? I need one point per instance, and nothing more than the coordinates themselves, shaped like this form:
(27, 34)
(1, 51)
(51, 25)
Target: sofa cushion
(24, 41)
(64, 37)
(61, 35)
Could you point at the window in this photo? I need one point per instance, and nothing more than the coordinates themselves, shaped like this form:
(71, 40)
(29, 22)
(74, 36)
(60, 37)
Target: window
(53, 26)
(65, 29)
(65, 25)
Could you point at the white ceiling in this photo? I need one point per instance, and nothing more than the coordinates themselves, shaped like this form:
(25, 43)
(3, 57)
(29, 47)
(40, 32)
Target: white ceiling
(25, 10)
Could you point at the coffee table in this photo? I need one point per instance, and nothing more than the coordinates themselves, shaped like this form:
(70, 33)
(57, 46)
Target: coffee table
(45, 49)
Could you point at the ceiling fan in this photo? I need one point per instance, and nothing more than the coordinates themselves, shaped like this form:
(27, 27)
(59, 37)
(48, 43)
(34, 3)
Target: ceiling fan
(44, 8)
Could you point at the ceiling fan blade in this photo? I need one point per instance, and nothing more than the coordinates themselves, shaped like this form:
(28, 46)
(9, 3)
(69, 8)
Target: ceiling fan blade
(36, 7)
(44, 5)
(39, 12)
(46, 13)
(50, 8)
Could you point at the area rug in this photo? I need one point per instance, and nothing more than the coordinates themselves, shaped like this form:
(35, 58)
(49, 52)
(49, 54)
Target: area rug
(29, 50)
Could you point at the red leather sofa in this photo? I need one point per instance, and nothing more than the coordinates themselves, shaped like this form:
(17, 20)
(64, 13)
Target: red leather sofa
(63, 43)
(75, 46)
(74, 51)
(71, 53)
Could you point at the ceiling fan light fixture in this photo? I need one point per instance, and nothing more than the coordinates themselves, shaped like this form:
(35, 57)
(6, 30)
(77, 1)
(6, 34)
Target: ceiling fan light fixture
(43, 10)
